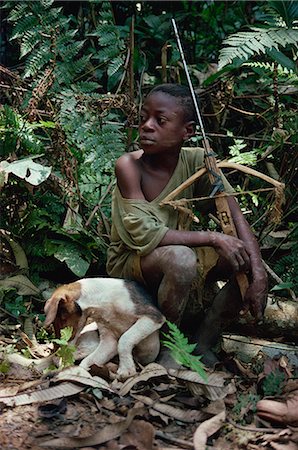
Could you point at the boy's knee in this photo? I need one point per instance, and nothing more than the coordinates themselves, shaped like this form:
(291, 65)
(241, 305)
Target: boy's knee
(181, 261)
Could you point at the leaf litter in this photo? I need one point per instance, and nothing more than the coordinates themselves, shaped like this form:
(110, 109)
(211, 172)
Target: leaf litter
(158, 408)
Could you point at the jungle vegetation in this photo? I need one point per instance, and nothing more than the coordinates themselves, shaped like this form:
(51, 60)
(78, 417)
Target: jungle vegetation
(72, 77)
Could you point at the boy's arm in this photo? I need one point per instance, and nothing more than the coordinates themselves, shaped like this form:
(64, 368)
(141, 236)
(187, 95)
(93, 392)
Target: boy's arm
(129, 183)
(243, 253)
(129, 176)
(256, 294)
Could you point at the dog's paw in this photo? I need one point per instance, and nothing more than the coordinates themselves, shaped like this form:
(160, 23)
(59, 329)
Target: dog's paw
(124, 373)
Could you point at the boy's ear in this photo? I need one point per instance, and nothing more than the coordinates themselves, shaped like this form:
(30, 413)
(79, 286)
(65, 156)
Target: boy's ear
(190, 128)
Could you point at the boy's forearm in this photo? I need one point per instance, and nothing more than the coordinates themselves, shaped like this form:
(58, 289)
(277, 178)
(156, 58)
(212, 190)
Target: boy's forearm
(187, 238)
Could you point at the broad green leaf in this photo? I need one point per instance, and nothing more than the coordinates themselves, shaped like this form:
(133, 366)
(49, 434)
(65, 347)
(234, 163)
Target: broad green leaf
(28, 170)
(74, 262)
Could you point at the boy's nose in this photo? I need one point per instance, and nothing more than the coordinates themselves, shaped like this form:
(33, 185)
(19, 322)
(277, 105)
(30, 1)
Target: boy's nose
(148, 124)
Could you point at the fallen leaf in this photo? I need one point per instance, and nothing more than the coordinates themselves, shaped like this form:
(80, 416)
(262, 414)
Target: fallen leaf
(150, 371)
(187, 416)
(207, 429)
(51, 393)
(140, 434)
(214, 388)
(109, 432)
(288, 446)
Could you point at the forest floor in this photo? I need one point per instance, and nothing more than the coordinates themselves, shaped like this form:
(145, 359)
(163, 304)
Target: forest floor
(157, 409)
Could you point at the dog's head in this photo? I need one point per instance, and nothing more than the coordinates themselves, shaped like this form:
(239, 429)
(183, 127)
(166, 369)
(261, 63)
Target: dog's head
(62, 309)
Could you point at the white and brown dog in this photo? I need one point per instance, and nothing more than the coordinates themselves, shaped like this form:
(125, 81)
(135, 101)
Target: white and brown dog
(125, 315)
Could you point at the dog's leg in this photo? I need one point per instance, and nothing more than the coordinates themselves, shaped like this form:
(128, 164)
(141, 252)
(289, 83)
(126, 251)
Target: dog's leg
(141, 329)
(105, 351)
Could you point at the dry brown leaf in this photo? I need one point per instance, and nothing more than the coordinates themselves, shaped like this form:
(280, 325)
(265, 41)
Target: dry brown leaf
(215, 379)
(214, 388)
(80, 375)
(51, 393)
(39, 364)
(207, 429)
(140, 435)
(21, 283)
(289, 446)
(187, 416)
(165, 419)
(9, 391)
(109, 432)
(150, 371)
(215, 407)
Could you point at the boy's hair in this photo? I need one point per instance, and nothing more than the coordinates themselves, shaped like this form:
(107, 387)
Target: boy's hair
(183, 97)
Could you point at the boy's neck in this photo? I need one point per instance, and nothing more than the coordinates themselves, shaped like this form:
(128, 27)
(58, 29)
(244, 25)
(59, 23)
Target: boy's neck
(167, 161)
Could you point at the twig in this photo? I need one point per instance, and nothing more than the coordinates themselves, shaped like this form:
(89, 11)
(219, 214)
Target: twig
(255, 429)
(279, 280)
(99, 204)
(170, 438)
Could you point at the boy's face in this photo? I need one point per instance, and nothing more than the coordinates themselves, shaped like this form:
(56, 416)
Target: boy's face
(162, 124)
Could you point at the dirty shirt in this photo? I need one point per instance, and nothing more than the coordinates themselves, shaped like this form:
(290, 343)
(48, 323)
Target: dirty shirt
(138, 226)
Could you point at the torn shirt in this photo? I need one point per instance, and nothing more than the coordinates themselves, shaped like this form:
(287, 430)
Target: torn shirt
(138, 226)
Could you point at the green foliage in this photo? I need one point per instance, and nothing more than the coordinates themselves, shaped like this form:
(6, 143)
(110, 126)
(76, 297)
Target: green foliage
(244, 44)
(4, 366)
(246, 407)
(65, 351)
(239, 157)
(278, 29)
(181, 350)
(19, 135)
(17, 307)
(273, 383)
(287, 267)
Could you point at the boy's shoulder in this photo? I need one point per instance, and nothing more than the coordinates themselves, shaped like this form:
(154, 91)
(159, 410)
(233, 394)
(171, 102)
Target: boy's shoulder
(128, 160)
(130, 156)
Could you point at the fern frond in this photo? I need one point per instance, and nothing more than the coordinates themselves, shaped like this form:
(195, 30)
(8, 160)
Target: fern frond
(24, 24)
(270, 67)
(70, 50)
(245, 44)
(17, 12)
(181, 350)
(115, 65)
(37, 60)
(30, 40)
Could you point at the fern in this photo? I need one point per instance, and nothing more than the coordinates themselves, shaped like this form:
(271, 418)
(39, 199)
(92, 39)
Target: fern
(182, 351)
(270, 67)
(17, 134)
(243, 45)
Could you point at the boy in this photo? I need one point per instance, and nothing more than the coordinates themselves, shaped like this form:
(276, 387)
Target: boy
(146, 244)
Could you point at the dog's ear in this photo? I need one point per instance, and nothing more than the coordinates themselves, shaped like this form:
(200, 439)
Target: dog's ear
(51, 307)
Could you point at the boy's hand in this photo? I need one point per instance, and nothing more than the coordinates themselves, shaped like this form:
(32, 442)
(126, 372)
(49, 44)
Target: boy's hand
(233, 250)
(256, 294)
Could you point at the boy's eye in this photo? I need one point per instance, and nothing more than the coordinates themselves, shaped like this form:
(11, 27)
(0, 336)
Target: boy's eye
(161, 120)
(142, 119)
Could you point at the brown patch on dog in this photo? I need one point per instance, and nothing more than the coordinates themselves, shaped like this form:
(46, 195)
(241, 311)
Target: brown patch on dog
(62, 310)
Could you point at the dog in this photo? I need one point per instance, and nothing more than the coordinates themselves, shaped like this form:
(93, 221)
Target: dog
(125, 315)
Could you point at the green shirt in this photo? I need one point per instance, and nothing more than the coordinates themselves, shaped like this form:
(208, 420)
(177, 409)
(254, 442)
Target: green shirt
(138, 225)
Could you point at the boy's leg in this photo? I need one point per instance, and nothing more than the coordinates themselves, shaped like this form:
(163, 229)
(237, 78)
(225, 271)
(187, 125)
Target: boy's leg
(169, 272)
(224, 310)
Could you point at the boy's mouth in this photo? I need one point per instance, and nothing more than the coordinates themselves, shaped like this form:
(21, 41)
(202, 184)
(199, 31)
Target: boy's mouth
(145, 139)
